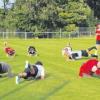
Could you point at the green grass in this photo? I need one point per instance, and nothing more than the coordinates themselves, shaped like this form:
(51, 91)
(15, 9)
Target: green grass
(62, 81)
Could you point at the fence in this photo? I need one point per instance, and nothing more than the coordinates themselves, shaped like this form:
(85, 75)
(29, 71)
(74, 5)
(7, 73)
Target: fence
(83, 31)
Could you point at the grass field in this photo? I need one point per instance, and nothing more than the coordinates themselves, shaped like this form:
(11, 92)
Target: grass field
(61, 82)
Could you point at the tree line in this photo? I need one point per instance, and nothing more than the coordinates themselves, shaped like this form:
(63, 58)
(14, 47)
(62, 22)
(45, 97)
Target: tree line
(48, 15)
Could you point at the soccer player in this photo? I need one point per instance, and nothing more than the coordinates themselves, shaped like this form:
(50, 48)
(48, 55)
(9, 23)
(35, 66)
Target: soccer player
(31, 71)
(98, 36)
(66, 52)
(73, 55)
(32, 51)
(90, 68)
(8, 50)
(5, 70)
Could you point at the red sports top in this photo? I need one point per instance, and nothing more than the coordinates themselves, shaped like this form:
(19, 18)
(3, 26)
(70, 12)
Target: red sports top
(98, 34)
(87, 67)
(97, 72)
(9, 50)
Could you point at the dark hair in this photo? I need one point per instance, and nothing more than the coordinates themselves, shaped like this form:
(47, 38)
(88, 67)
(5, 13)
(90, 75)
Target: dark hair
(31, 47)
(38, 63)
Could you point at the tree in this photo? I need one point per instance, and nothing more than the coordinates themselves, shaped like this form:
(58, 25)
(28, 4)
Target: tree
(44, 15)
(95, 6)
(75, 13)
(3, 14)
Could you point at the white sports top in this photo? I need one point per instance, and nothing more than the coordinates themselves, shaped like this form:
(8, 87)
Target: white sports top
(41, 71)
(79, 53)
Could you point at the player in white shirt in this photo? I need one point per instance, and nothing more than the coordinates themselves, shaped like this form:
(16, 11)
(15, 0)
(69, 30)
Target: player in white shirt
(73, 55)
(32, 51)
(32, 71)
(5, 70)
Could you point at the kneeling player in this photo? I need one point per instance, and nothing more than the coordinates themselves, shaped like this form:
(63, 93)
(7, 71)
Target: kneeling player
(31, 71)
(32, 51)
(8, 50)
(5, 70)
(90, 68)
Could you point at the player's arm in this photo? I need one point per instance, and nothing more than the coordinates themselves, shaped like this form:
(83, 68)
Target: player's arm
(4, 75)
(94, 69)
(42, 74)
(41, 77)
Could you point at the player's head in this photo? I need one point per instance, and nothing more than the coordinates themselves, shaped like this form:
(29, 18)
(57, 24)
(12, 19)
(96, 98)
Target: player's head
(38, 63)
(66, 52)
(67, 49)
(31, 50)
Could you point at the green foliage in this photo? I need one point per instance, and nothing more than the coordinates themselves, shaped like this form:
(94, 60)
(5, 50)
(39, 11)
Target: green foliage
(95, 6)
(46, 14)
(75, 12)
(70, 28)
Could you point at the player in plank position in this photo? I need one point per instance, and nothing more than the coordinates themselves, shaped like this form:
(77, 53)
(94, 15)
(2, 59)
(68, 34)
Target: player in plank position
(32, 51)
(90, 68)
(5, 70)
(68, 53)
(31, 71)
(8, 50)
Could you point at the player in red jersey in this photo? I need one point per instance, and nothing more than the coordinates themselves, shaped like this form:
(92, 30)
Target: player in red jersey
(8, 50)
(90, 68)
(98, 36)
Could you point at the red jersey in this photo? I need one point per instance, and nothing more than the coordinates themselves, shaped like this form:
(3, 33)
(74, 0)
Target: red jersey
(98, 34)
(9, 50)
(97, 72)
(86, 68)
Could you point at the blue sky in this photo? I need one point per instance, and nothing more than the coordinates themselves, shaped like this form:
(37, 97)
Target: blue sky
(1, 2)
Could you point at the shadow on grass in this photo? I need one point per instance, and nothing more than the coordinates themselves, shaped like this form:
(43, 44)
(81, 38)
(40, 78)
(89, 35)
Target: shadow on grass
(98, 77)
(56, 89)
(15, 90)
(3, 79)
(86, 58)
(19, 87)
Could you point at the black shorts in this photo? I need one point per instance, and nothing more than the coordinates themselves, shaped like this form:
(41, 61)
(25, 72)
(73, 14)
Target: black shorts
(27, 70)
(98, 42)
(74, 55)
(84, 53)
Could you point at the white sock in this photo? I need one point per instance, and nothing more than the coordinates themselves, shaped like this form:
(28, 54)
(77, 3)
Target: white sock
(26, 65)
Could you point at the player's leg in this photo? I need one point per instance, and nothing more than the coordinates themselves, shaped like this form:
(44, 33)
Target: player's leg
(91, 48)
(10, 74)
(3, 73)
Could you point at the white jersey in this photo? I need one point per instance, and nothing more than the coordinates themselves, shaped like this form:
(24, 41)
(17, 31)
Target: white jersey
(41, 71)
(79, 54)
(66, 51)
(72, 54)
